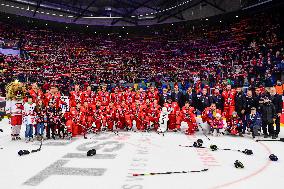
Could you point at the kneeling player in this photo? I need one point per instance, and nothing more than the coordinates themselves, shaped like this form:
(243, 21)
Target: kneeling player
(234, 124)
(188, 116)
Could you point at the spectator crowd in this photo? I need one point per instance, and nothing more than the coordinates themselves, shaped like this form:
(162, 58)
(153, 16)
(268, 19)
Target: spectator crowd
(232, 70)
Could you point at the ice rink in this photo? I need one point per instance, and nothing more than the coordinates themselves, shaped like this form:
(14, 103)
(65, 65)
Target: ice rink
(63, 163)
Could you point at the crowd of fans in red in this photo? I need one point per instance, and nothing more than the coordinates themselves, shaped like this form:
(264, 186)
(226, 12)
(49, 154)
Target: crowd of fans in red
(245, 52)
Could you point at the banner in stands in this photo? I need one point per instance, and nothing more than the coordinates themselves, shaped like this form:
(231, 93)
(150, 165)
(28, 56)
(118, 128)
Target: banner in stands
(9, 44)
(9, 47)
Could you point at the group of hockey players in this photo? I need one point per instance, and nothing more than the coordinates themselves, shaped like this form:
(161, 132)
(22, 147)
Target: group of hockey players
(51, 115)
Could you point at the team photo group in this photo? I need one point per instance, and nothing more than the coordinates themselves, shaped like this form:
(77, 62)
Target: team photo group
(222, 110)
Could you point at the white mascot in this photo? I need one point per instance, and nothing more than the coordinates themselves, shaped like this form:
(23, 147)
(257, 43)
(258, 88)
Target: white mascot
(163, 121)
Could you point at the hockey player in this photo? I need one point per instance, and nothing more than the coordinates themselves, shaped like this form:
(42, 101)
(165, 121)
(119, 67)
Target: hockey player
(173, 109)
(209, 114)
(188, 115)
(30, 118)
(110, 116)
(235, 124)
(97, 115)
(117, 96)
(88, 96)
(36, 93)
(163, 120)
(75, 96)
(229, 101)
(153, 114)
(104, 96)
(152, 94)
(135, 110)
(129, 96)
(14, 108)
(140, 95)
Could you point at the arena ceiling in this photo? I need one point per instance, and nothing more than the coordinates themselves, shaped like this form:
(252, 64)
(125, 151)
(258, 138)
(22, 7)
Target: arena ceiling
(122, 12)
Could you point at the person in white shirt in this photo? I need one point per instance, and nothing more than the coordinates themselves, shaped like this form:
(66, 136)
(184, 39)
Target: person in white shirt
(30, 118)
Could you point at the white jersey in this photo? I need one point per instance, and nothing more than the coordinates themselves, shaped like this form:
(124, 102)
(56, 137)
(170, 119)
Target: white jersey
(14, 107)
(66, 105)
(163, 122)
(29, 113)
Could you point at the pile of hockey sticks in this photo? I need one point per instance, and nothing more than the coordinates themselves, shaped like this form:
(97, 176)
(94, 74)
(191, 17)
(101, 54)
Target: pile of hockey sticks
(26, 152)
(167, 173)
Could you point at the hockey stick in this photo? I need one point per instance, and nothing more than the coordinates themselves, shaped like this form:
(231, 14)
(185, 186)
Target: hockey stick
(26, 152)
(168, 173)
(37, 150)
(279, 140)
(215, 148)
(203, 132)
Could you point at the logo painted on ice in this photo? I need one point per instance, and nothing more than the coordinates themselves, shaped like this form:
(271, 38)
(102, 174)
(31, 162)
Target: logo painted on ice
(58, 168)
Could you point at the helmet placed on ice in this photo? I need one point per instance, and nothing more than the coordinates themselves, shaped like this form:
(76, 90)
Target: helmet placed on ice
(200, 141)
(213, 147)
(91, 152)
(238, 164)
(247, 152)
(273, 157)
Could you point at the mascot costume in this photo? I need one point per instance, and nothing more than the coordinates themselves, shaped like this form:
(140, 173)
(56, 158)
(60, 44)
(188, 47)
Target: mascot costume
(14, 108)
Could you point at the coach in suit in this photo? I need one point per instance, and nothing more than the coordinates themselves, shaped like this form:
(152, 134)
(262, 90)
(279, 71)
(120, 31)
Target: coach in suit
(163, 97)
(177, 96)
(191, 97)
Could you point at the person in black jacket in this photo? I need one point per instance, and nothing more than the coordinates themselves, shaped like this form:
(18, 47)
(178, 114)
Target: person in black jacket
(203, 100)
(217, 99)
(51, 112)
(177, 96)
(190, 96)
(268, 115)
(163, 97)
(254, 121)
(248, 104)
(240, 102)
(276, 100)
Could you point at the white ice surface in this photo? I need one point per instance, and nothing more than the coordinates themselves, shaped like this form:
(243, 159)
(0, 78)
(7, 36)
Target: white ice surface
(145, 153)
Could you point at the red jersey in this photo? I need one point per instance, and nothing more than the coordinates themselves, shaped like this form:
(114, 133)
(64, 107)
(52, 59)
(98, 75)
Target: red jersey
(229, 97)
(104, 97)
